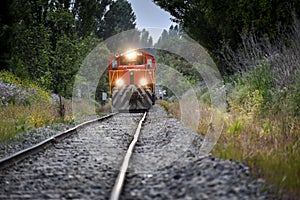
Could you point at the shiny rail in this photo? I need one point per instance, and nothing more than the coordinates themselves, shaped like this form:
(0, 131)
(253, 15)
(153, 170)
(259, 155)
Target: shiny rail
(121, 177)
(20, 155)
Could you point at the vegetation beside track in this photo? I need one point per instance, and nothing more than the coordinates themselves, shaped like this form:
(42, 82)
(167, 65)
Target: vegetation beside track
(263, 108)
(263, 134)
(25, 106)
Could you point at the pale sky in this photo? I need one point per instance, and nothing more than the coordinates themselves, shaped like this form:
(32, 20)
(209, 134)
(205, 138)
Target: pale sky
(149, 15)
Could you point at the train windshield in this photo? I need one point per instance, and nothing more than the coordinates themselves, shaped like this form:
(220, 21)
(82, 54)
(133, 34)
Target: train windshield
(138, 60)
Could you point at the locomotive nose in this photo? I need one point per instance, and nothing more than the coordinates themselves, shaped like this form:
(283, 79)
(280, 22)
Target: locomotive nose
(131, 79)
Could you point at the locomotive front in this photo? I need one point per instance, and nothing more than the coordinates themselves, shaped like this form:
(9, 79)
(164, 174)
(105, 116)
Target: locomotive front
(131, 81)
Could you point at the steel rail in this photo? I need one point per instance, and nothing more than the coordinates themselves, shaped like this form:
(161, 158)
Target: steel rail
(20, 155)
(121, 177)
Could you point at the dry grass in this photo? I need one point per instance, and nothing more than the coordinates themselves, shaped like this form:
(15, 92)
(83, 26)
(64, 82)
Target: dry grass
(269, 145)
(19, 118)
(15, 119)
(262, 128)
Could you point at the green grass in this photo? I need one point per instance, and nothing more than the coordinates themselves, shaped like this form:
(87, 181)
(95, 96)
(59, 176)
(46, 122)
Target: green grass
(15, 119)
(269, 145)
(164, 104)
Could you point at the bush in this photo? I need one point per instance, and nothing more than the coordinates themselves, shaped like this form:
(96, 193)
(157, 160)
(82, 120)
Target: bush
(13, 90)
(252, 93)
(262, 127)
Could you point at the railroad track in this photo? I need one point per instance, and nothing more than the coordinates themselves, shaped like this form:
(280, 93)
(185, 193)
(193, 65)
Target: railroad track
(9, 160)
(93, 162)
(121, 177)
(16, 158)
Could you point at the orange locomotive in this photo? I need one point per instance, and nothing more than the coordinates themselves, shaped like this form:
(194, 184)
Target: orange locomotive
(131, 81)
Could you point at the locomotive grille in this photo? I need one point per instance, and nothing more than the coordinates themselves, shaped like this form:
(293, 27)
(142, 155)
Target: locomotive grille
(129, 99)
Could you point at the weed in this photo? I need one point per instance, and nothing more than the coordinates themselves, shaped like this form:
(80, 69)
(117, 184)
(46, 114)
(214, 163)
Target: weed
(164, 104)
(270, 145)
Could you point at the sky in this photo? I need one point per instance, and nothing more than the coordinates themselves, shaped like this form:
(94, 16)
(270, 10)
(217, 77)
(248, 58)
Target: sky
(149, 15)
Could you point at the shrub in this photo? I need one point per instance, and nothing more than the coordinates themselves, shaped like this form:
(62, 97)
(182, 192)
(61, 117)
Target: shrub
(13, 90)
(253, 91)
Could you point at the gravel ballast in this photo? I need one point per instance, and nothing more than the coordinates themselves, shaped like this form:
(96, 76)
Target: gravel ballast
(29, 138)
(166, 164)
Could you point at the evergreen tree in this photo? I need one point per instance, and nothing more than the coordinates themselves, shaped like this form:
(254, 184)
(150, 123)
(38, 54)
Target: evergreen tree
(120, 17)
(146, 39)
(170, 38)
(168, 35)
(88, 14)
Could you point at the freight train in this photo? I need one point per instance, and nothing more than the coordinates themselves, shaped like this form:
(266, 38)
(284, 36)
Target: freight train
(131, 81)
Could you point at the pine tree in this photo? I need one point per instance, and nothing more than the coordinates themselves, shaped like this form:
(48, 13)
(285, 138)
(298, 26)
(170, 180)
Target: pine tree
(120, 17)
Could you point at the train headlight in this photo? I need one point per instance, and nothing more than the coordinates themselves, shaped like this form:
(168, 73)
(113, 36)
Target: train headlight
(131, 55)
(120, 82)
(143, 82)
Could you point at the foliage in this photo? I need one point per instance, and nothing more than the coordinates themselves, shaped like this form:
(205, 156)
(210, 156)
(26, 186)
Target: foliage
(35, 32)
(164, 104)
(261, 69)
(262, 127)
(120, 17)
(210, 22)
(262, 123)
(88, 15)
(145, 38)
(17, 91)
(15, 119)
(281, 56)
(25, 106)
(65, 65)
(203, 95)
(46, 41)
(31, 52)
(252, 93)
(92, 74)
(179, 64)
(269, 145)
(293, 97)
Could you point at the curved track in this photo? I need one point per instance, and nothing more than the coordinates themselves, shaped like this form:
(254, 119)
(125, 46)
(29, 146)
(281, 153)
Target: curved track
(90, 152)
(165, 164)
(121, 177)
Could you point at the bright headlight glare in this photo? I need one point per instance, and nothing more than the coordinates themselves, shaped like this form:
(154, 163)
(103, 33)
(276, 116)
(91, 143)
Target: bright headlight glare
(131, 55)
(119, 82)
(143, 81)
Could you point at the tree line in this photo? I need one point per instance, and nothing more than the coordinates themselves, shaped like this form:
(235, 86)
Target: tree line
(213, 23)
(46, 40)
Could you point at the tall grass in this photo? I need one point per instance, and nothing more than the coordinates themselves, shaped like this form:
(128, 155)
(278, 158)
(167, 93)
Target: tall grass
(270, 145)
(25, 105)
(15, 119)
(262, 127)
